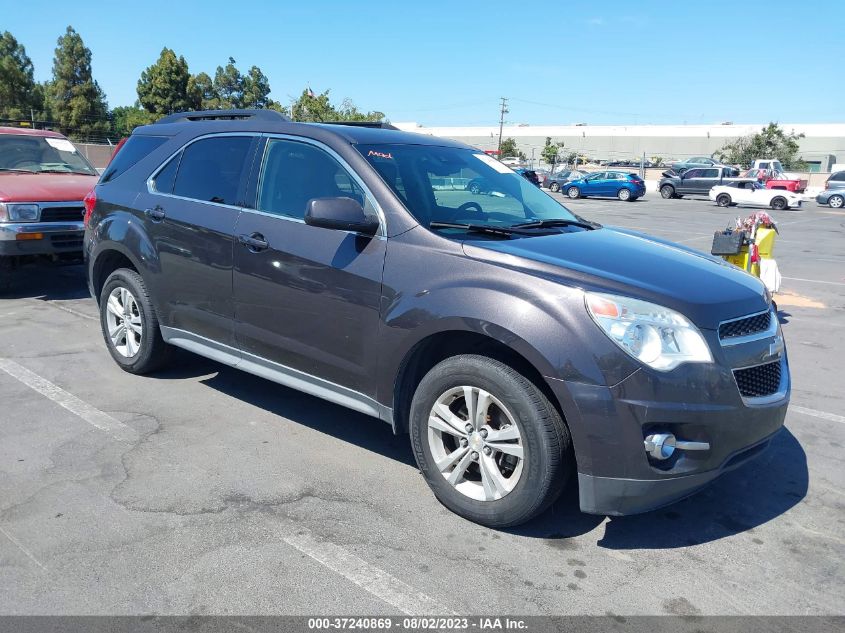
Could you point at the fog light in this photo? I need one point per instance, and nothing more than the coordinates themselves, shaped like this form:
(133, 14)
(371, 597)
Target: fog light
(661, 446)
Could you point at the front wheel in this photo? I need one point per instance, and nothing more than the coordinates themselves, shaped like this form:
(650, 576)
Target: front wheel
(836, 202)
(779, 203)
(555, 187)
(667, 191)
(574, 193)
(490, 445)
(723, 200)
(130, 325)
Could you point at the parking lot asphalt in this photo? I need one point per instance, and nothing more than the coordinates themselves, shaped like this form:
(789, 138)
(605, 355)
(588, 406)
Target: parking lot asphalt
(204, 490)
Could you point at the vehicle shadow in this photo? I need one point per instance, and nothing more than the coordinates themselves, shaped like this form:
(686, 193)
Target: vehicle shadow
(51, 282)
(739, 501)
(347, 425)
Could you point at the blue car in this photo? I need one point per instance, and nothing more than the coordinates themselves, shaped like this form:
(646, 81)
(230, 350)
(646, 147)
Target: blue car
(607, 184)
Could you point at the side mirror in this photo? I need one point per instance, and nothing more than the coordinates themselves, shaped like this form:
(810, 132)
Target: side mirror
(343, 214)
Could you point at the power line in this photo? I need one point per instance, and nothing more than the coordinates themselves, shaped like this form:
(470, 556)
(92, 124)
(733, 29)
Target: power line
(502, 122)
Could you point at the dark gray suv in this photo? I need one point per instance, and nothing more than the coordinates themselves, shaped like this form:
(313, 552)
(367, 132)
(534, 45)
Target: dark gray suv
(517, 343)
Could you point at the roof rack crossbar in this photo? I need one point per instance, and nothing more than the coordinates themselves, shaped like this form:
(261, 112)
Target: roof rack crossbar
(213, 115)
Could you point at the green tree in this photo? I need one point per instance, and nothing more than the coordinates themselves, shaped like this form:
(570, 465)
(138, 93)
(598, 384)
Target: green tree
(256, 88)
(127, 118)
(508, 148)
(201, 91)
(771, 142)
(18, 91)
(229, 86)
(164, 87)
(318, 107)
(79, 105)
(551, 150)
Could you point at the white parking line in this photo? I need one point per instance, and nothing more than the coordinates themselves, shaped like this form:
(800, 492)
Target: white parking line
(80, 408)
(370, 578)
(22, 548)
(824, 415)
(59, 306)
(816, 281)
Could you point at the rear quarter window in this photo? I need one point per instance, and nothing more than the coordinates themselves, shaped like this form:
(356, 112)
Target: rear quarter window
(133, 150)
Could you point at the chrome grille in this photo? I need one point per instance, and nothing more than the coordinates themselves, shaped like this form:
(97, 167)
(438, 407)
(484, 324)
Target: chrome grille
(762, 380)
(745, 326)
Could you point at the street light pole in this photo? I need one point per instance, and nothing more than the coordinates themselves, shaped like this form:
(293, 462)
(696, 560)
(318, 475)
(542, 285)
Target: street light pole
(502, 123)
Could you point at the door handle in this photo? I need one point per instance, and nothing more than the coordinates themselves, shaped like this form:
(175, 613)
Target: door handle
(254, 242)
(156, 214)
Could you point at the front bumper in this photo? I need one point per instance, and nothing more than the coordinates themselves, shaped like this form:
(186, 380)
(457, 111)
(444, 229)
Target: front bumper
(694, 402)
(40, 238)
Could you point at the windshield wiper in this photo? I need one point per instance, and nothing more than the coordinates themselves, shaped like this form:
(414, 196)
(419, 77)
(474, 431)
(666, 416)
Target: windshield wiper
(64, 171)
(473, 228)
(17, 171)
(548, 224)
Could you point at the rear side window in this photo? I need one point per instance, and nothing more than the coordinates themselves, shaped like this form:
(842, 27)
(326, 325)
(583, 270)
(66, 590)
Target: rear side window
(838, 176)
(211, 169)
(133, 150)
(163, 182)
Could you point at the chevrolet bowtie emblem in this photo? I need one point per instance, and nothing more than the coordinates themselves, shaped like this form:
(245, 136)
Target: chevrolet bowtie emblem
(776, 347)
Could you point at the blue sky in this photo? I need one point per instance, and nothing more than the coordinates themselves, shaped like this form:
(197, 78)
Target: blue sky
(447, 63)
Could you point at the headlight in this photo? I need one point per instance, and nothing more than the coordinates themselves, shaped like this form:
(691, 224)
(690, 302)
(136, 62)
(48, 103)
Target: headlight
(18, 212)
(657, 336)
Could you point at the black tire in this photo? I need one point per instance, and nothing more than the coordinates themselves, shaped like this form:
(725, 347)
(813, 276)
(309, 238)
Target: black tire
(573, 193)
(554, 187)
(546, 442)
(779, 203)
(153, 352)
(836, 202)
(667, 192)
(723, 200)
(474, 188)
(624, 194)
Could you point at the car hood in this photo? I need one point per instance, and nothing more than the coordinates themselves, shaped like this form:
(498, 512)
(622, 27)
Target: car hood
(17, 187)
(705, 289)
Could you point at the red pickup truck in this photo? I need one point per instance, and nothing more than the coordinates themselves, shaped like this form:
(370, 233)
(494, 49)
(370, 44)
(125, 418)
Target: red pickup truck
(43, 180)
(776, 180)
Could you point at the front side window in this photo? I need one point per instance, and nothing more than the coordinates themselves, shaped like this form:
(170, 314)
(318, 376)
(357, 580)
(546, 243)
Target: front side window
(40, 154)
(294, 173)
(211, 168)
(693, 173)
(460, 185)
(709, 173)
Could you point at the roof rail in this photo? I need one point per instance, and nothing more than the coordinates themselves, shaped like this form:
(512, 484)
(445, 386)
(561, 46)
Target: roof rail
(374, 124)
(216, 115)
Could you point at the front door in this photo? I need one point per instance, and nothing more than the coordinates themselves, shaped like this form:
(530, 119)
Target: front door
(307, 297)
(190, 216)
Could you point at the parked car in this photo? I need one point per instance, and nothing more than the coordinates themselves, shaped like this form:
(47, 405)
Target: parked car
(752, 194)
(559, 180)
(695, 181)
(834, 191)
(772, 179)
(607, 184)
(696, 161)
(517, 343)
(542, 176)
(43, 180)
(529, 174)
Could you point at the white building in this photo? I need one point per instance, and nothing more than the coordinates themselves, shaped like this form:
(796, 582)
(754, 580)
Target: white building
(823, 143)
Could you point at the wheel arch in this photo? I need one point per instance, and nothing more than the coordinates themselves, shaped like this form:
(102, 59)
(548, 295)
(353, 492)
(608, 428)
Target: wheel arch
(109, 258)
(494, 342)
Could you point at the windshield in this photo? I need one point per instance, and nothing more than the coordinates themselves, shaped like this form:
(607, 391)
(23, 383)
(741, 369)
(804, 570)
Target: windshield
(39, 154)
(450, 184)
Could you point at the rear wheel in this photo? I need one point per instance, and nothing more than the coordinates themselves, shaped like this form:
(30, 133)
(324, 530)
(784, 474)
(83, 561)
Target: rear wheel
(573, 192)
(624, 194)
(490, 445)
(474, 187)
(723, 200)
(554, 187)
(836, 202)
(130, 325)
(778, 203)
(667, 191)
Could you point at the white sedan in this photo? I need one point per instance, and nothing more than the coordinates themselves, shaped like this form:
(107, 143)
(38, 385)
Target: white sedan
(752, 194)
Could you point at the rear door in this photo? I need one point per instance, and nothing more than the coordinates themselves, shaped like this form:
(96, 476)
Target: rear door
(307, 298)
(191, 206)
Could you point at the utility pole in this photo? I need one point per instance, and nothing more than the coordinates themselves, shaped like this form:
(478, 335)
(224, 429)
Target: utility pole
(502, 123)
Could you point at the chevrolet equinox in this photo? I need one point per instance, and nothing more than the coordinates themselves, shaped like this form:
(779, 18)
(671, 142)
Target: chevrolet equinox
(517, 343)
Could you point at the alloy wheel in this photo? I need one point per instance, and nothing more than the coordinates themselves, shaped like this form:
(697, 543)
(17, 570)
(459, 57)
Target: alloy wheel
(476, 443)
(123, 319)
(836, 202)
